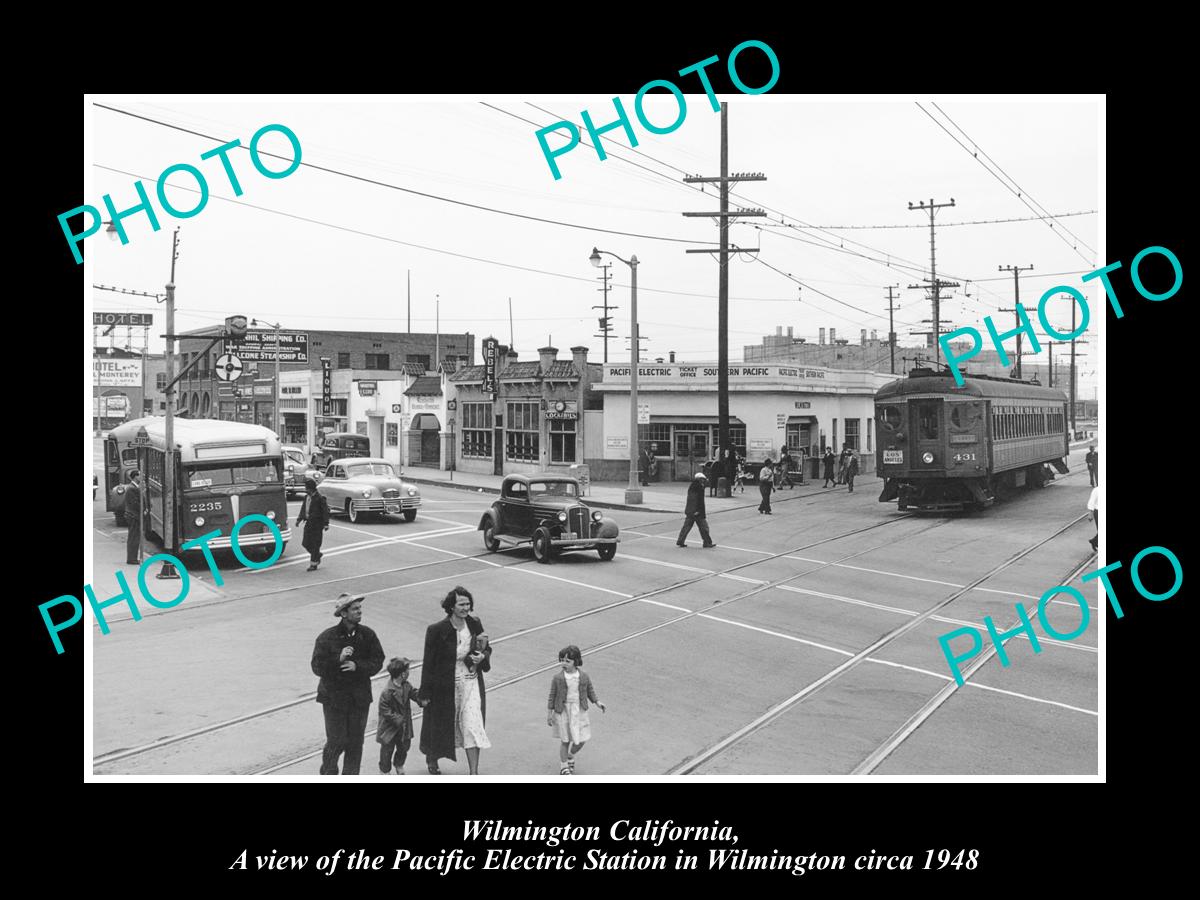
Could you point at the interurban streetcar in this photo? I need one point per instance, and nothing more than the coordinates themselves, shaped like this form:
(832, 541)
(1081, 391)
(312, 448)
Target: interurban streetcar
(224, 471)
(944, 447)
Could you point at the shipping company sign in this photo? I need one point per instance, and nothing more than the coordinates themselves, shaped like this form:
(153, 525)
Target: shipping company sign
(490, 351)
(136, 320)
(259, 346)
(117, 372)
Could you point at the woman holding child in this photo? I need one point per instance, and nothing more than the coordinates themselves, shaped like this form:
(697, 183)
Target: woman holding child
(457, 654)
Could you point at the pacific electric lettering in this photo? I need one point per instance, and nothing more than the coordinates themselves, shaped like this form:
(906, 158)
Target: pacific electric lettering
(145, 206)
(1026, 627)
(622, 120)
(953, 359)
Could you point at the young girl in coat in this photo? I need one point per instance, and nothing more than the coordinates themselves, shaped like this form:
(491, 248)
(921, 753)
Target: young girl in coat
(566, 712)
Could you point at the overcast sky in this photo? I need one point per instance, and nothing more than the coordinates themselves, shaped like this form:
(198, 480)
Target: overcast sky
(321, 250)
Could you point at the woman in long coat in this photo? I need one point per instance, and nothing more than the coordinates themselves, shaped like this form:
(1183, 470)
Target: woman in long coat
(452, 681)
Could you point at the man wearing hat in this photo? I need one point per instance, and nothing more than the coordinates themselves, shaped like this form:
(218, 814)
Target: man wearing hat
(314, 513)
(345, 657)
(694, 512)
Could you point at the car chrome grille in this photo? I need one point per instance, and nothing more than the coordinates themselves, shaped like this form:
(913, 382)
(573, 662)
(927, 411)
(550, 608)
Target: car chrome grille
(391, 494)
(577, 520)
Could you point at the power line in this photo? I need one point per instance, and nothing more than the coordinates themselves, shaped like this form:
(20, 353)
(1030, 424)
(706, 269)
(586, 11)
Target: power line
(396, 187)
(1085, 212)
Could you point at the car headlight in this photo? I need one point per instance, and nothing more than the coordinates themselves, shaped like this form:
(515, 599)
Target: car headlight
(199, 521)
(596, 517)
(366, 492)
(291, 470)
(927, 457)
(270, 513)
(562, 516)
(412, 492)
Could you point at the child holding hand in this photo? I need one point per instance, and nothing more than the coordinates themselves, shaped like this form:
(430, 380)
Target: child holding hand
(566, 712)
(395, 730)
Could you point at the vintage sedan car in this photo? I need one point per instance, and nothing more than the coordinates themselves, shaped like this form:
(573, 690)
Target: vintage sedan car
(296, 469)
(545, 511)
(366, 485)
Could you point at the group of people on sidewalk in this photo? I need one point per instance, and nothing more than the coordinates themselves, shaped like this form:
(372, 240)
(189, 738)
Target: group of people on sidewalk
(847, 467)
(452, 694)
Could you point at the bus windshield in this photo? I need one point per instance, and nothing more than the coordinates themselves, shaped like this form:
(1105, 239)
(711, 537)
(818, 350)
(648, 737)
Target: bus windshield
(215, 474)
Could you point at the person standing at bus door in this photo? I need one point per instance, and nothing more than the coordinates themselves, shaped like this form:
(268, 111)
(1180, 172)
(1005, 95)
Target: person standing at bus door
(1093, 461)
(345, 657)
(133, 516)
(828, 461)
(1094, 506)
(314, 513)
(694, 513)
(851, 470)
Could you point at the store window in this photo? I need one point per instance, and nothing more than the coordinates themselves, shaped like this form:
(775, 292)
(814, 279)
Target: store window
(562, 440)
(852, 426)
(521, 434)
(393, 434)
(656, 436)
(737, 437)
(343, 360)
(477, 430)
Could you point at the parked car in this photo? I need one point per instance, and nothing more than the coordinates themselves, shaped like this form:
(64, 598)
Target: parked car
(296, 468)
(545, 511)
(366, 485)
(340, 445)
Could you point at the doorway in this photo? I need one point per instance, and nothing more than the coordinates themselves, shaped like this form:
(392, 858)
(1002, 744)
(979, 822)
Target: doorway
(691, 453)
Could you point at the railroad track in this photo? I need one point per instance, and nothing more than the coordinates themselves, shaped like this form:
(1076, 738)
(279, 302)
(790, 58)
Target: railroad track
(159, 744)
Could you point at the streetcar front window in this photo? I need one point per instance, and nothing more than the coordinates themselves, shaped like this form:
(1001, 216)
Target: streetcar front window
(889, 417)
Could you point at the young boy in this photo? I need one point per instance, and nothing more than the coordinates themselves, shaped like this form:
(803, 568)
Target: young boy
(395, 729)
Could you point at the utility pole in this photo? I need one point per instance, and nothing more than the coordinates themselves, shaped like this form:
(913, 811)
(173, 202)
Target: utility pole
(169, 474)
(512, 341)
(409, 279)
(437, 339)
(605, 323)
(1017, 270)
(933, 279)
(892, 326)
(724, 216)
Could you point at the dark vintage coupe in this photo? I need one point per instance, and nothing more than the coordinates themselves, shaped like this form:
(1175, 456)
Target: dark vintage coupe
(545, 511)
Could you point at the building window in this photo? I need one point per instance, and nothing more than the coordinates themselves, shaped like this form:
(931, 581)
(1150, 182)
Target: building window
(393, 434)
(420, 358)
(477, 430)
(870, 422)
(798, 436)
(360, 428)
(376, 361)
(852, 434)
(656, 436)
(160, 381)
(521, 435)
(562, 440)
(343, 360)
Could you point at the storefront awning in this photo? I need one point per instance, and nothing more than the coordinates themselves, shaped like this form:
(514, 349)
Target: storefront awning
(425, 422)
(692, 420)
(792, 420)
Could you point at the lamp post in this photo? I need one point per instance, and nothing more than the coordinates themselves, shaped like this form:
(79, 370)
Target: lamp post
(275, 387)
(633, 493)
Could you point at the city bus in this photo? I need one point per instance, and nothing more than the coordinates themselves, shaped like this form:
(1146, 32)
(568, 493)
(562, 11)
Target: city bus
(120, 459)
(223, 472)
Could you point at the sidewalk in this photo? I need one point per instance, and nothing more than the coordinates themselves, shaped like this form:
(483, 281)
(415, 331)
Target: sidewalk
(668, 497)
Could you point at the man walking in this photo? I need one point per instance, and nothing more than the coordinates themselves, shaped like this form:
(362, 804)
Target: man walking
(133, 518)
(314, 513)
(828, 460)
(851, 470)
(345, 657)
(694, 513)
(766, 476)
(1093, 460)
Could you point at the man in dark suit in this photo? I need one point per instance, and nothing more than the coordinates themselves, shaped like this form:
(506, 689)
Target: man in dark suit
(1093, 461)
(345, 657)
(314, 513)
(694, 513)
(133, 518)
(644, 467)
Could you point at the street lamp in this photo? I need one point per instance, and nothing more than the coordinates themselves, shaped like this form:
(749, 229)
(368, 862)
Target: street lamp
(633, 493)
(275, 387)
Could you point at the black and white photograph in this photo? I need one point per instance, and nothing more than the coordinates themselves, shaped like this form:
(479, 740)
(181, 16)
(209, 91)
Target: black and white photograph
(734, 434)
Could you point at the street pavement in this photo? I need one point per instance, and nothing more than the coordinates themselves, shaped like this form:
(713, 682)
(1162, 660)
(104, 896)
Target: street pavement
(777, 653)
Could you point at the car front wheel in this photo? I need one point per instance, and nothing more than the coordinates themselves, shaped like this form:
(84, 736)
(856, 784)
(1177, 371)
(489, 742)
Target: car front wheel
(489, 536)
(542, 548)
(352, 512)
(607, 551)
